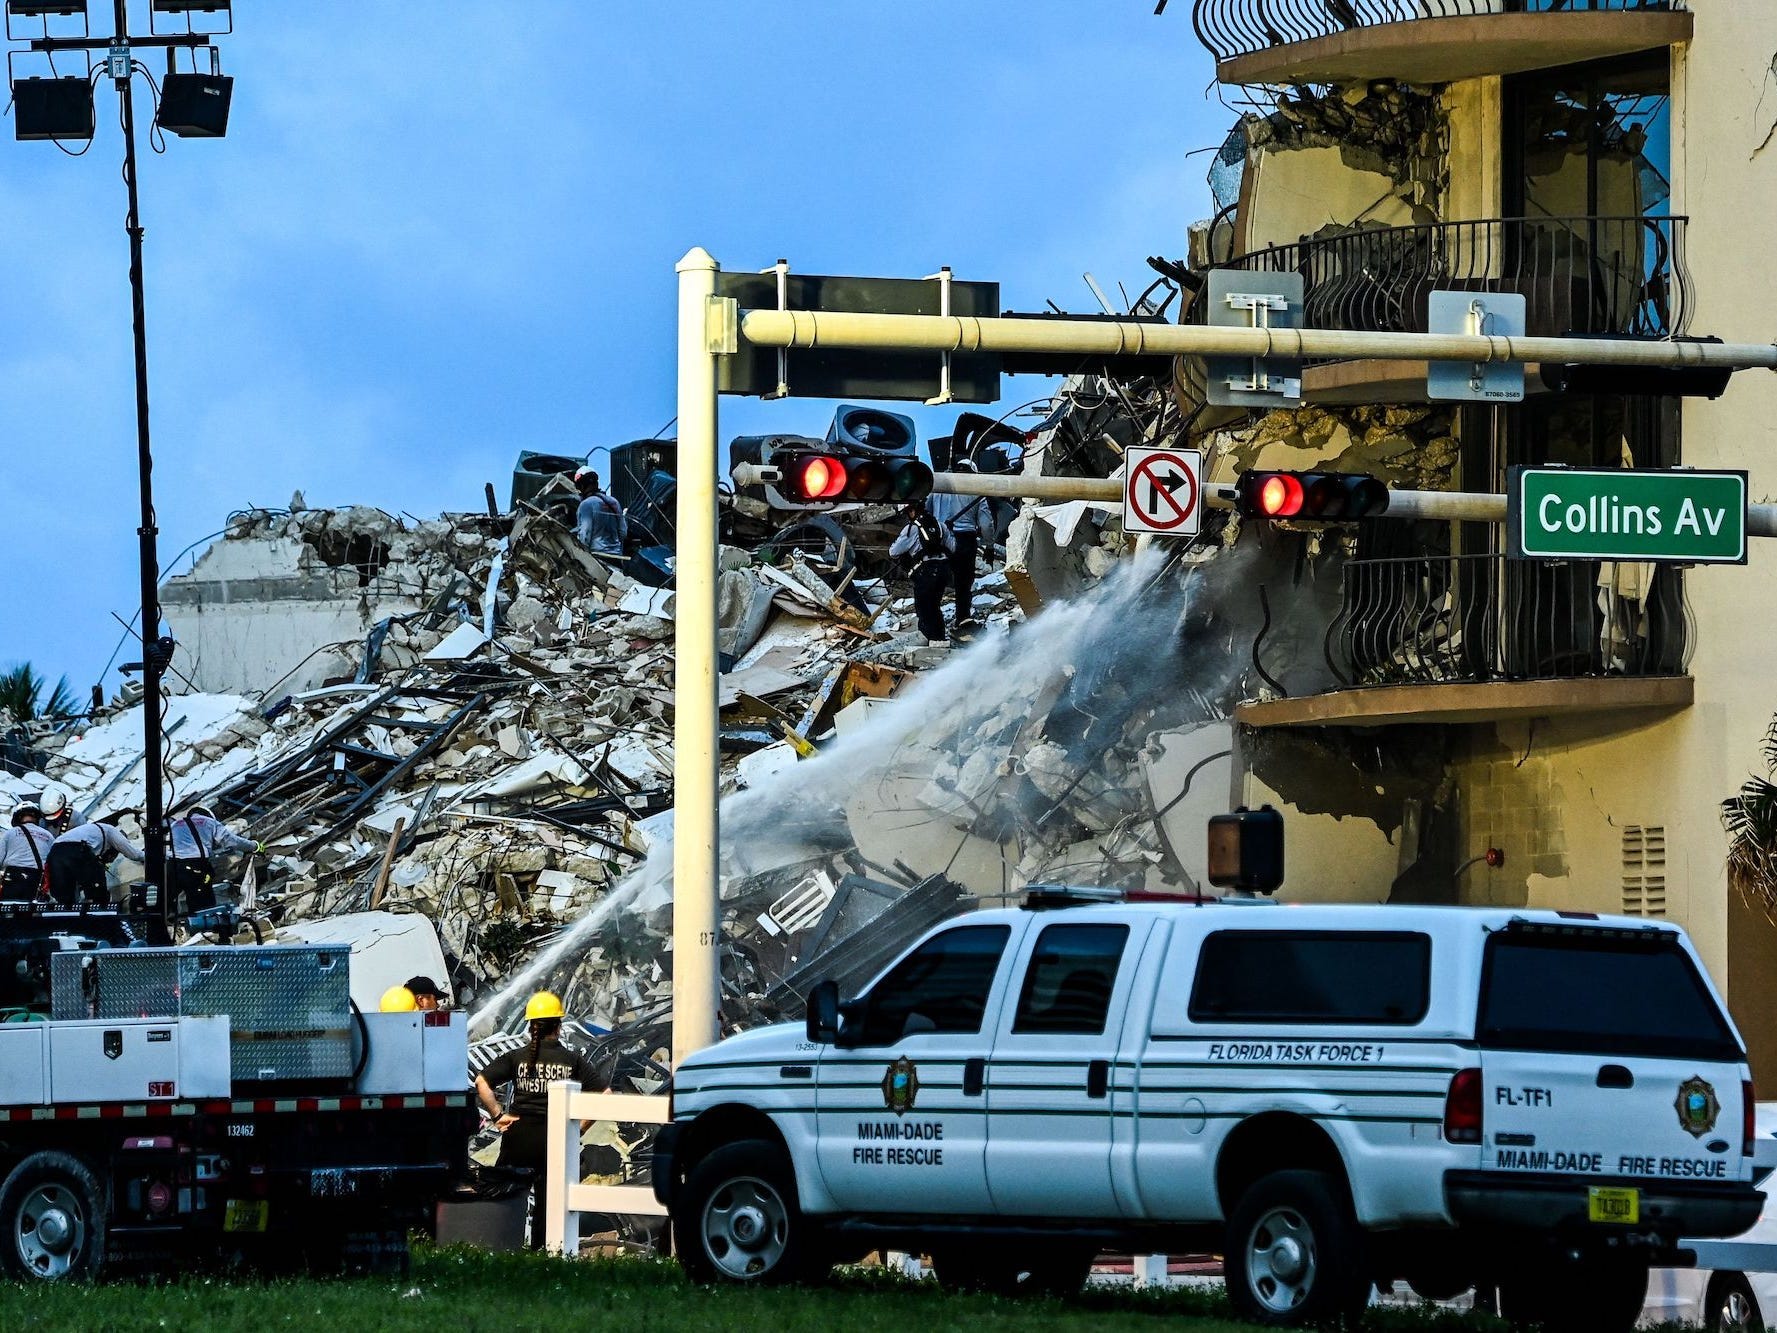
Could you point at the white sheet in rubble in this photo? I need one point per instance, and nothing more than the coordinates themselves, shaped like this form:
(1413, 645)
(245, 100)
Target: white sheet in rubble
(1065, 517)
(535, 774)
(761, 764)
(461, 642)
(641, 600)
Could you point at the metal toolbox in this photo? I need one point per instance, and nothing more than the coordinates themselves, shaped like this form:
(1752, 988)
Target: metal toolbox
(288, 1005)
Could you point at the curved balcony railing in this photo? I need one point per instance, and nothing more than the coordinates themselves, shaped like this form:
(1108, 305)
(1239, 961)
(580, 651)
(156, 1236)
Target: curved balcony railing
(1600, 275)
(1231, 28)
(1446, 619)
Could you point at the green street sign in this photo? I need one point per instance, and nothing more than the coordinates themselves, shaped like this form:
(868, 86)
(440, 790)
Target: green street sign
(1677, 515)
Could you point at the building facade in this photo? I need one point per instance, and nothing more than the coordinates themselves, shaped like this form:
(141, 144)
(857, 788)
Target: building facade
(1612, 162)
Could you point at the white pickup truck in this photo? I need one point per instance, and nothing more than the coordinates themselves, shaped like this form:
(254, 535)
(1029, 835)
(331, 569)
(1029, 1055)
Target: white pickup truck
(1331, 1097)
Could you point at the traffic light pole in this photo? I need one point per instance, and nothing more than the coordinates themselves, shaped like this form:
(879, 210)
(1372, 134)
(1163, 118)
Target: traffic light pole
(697, 900)
(1113, 338)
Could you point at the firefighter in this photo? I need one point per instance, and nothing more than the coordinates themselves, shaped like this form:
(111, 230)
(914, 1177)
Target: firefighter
(197, 836)
(929, 546)
(76, 862)
(425, 992)
(23, 850)
(525, 1121)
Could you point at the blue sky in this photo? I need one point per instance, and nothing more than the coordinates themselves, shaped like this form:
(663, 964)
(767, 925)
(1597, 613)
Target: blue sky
(425, 246)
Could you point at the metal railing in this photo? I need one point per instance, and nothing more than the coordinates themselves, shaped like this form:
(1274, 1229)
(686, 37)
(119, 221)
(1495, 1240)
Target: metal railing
(1232, 28)
(1469, 618)
(1607, 275)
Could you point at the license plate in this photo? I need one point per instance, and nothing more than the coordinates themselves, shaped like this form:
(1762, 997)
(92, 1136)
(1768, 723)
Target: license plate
(1605, 1204)
(245, 1215)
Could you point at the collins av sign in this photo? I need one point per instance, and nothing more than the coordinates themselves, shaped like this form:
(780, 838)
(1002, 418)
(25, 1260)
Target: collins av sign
(1680, 516)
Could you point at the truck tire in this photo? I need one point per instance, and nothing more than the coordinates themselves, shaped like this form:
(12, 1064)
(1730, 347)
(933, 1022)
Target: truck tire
(1604, 1293)
(52, 1220)
(738, 1219)
(1013, 1268)
(1730, 1305)
(1295, 1253)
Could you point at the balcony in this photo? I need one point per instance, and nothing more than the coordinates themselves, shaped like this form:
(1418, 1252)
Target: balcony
(1424, 41)
(1600, 275)
(1471, 638)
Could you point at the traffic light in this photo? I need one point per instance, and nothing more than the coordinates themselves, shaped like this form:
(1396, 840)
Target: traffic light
(827, 478)
(1327, 497)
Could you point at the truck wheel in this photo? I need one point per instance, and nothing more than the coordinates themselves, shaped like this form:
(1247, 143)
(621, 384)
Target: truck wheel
(1731, 1306)
(52, 1220)
(1601, 1292)
(1294, 1253)
(1010, 1269)
(738, 1218)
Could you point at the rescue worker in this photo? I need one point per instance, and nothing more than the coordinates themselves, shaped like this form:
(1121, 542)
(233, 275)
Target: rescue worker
(962, 514)
(599, 521)
(928, 546)
(23, 851)
(56, 807)
(425, 992)
(525, 1121)
(198, 836)
(397, 1000)
(76, 862)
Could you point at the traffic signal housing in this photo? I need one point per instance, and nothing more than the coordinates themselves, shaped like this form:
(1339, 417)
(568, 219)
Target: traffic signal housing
(1325, 497)
(867, 457)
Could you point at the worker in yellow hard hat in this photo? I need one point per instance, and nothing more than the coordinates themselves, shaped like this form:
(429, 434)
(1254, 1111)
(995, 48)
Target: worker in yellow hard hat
(398, 1000)
(525, 1120)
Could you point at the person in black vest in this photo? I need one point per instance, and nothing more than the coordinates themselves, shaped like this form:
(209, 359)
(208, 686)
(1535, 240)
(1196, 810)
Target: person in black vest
(928, 545)
(524, 1122)
(198, 837)
(23, 851)
(76, 862)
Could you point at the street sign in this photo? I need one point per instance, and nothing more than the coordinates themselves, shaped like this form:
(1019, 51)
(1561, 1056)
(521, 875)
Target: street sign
(1676, 515)
(1161, 491)
(1237, 299)
(1476, 314)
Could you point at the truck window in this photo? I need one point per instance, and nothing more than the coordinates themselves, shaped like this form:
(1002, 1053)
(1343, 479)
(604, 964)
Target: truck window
(1067, 987)
(943, 984)
(1639, 994)
(1280, 976)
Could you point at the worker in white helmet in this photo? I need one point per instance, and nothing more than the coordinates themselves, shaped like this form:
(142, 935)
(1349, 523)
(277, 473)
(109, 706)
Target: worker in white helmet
(198, 837)
(23, 851)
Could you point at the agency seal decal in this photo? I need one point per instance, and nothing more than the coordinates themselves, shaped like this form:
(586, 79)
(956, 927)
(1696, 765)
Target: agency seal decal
(1697, 1107)
(900, 1086)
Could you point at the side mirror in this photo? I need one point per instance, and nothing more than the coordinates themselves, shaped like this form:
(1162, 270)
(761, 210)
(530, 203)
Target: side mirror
(823, 1013)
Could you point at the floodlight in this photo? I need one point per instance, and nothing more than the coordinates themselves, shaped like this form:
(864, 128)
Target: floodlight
(195, 106)
(52, 108)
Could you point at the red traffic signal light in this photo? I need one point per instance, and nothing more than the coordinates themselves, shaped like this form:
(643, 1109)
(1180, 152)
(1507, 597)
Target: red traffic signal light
(817, 478)
(813, 477)
(1324, 496)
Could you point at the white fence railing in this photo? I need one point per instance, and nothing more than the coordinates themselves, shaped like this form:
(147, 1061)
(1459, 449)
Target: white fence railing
(567, 1197)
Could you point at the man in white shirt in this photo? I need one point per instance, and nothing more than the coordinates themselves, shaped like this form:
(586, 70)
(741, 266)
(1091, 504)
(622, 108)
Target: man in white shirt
(77, 859)
(198, 836)
(23, 851)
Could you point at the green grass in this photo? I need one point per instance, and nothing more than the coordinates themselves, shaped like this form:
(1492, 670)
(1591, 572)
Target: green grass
(451, 1290)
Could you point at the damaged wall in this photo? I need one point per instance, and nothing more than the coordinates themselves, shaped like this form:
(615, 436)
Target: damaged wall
(1336, 160)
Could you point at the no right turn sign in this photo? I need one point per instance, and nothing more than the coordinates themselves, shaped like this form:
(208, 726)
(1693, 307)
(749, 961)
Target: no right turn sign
(1161, 491)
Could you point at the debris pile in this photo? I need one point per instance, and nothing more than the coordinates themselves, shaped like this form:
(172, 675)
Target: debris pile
(489, 742)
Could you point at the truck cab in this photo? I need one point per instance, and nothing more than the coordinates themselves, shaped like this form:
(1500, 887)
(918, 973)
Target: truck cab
(1331, 1097)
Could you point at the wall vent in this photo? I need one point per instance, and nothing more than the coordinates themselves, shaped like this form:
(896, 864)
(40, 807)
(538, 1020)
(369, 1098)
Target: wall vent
(1644, 870)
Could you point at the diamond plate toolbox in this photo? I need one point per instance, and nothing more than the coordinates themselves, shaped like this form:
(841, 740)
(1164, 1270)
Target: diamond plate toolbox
(288, 1005)
(114, 983)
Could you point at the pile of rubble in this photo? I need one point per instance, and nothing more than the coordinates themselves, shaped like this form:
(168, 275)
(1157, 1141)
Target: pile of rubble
(492, 745)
